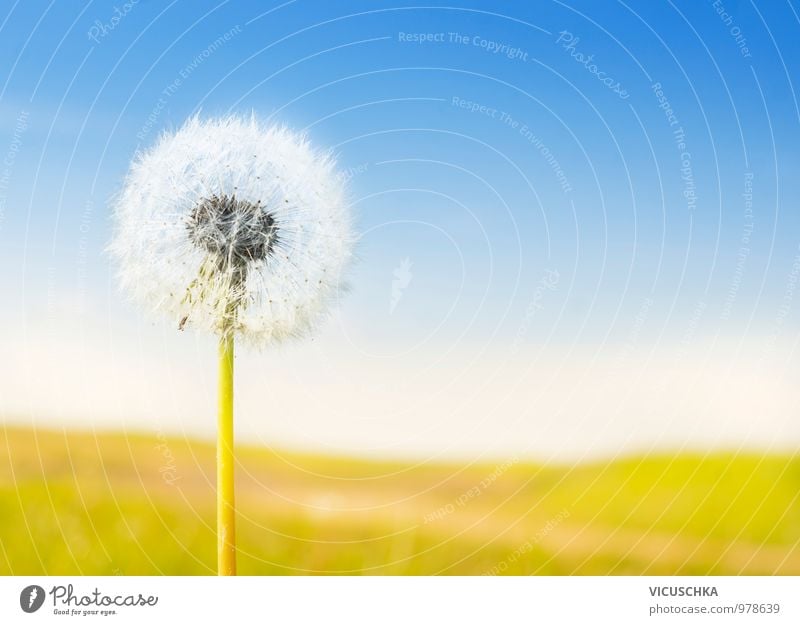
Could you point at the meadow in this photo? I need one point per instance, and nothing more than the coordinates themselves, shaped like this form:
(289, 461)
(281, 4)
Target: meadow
(112, 504)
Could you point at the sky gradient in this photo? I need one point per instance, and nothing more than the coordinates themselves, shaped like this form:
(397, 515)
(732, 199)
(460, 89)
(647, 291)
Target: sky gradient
(578, 224)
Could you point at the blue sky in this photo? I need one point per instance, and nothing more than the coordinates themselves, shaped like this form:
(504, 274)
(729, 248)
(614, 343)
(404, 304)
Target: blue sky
(487, 157)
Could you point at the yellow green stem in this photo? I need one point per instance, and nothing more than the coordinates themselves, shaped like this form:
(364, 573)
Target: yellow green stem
(226, 509)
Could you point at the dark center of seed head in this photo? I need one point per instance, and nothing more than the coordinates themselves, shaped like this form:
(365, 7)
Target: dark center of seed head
(235, 231)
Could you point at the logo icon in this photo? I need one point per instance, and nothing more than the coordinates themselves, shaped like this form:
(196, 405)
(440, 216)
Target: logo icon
(402, 278)
(31, 598)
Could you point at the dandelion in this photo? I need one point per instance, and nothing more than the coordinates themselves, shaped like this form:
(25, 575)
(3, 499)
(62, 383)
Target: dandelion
(240, 229)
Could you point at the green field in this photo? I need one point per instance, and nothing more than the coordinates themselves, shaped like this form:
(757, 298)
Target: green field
(83, 503)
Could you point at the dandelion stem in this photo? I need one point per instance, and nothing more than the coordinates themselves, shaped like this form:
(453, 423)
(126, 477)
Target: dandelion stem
(226, 509)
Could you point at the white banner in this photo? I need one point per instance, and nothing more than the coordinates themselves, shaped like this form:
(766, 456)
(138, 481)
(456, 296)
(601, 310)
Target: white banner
(400, 600)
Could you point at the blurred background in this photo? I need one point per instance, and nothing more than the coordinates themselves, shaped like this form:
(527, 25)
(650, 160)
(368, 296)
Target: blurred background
(570, 344)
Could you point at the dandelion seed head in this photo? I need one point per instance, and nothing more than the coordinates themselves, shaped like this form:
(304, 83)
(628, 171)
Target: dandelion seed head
(230, 225)
(235, 231)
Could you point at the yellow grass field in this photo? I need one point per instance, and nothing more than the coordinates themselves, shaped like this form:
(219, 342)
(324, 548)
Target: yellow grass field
(107, 503)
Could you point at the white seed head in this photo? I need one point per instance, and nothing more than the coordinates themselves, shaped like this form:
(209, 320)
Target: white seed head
(229, 225)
